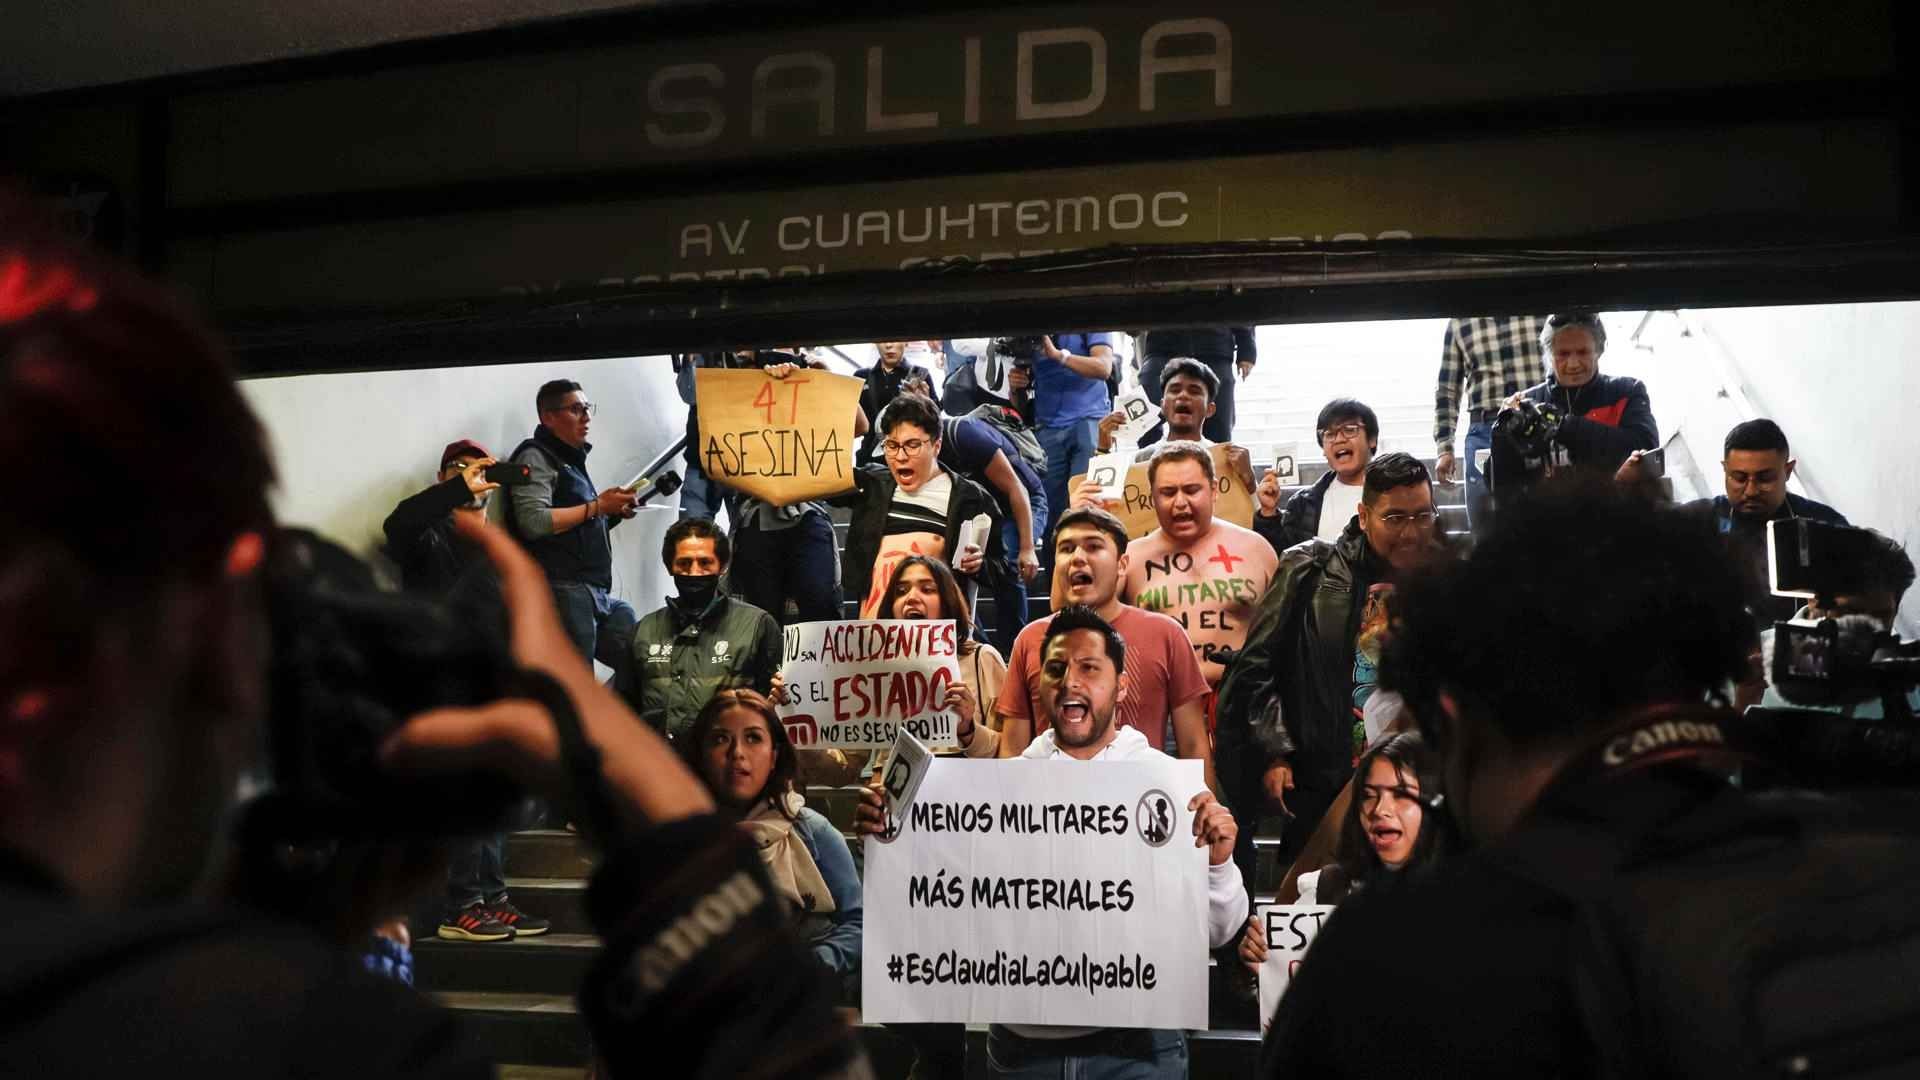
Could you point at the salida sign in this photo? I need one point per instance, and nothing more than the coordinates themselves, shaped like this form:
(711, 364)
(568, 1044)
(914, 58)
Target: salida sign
(856, 684)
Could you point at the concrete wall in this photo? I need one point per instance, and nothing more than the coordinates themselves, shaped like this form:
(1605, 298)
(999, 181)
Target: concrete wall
(349, 447)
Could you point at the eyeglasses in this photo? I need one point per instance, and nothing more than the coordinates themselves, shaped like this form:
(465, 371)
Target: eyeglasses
(579, 408)
(1395, 519)
(905, 449)
(1342, 431)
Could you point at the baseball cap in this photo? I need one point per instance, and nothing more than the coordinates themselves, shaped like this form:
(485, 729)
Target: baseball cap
(460, 448)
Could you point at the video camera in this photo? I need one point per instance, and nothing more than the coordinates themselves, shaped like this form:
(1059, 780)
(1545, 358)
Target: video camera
(1525, 442)
(1828, 668)
(1018, 350)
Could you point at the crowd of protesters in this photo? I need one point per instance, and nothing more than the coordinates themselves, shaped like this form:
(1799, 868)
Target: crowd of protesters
(1306, 658)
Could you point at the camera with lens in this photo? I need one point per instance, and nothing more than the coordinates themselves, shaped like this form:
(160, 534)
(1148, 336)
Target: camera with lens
(1847, 679)
(1019, 350)
(350, 663)
(1525, 445)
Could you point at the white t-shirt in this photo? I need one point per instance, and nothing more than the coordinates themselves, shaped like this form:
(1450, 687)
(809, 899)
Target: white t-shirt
(1337, 507)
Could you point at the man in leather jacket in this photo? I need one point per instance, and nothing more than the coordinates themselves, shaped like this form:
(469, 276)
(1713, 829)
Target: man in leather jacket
(1286, 708)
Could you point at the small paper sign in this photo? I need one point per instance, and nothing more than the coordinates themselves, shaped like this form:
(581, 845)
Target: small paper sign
(907, 768)
(1110, 472)
(1286, 466)
(1141, 416)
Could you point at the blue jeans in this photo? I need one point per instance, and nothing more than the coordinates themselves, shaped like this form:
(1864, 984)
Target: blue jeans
(1010, 596)
(1068, 449)
(600, 626)
(1133, 1055)
(477, 874)
(1479, 499)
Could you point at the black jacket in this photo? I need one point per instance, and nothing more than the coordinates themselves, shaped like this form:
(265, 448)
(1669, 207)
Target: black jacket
(420, 539)
(1203, 343)
(194, 991)
(1299, 656)
(1746, 541)
(1605, 420)
(873, 493)
(1299, 518)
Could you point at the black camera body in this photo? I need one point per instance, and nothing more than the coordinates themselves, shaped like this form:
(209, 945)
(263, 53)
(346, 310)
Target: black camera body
(351, 663)
(1018, 350)
(1525, 442)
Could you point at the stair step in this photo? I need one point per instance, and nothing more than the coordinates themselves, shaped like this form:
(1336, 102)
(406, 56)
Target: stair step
(534, 1030)
(552, 963)
(548, 853)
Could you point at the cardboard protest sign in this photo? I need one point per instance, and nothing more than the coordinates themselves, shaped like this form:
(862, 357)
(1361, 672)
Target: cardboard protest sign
(1290, 929)
(856, 684)
(1040, 892)
(1135, 507)
(782, 440)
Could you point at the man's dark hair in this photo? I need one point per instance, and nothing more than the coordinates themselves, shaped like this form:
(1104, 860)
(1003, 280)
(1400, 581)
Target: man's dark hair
(1347, 409)
(910, 409)
(1889, 567)
(696, 528)
(1388, 471)
(1760, 434)
(1081, 617)
(548, 399)
(1578, 606)
(1192, 369)
(1179, 450)
(1099, 519)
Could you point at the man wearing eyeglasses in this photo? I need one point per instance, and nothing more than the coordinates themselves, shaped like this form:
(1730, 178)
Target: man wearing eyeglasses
(1290, 699)
(563, 521)
(1348, 433)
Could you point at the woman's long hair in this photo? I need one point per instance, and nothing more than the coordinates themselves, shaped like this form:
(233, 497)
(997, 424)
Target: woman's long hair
(1414, 760)
(693, 745)
(953, 603)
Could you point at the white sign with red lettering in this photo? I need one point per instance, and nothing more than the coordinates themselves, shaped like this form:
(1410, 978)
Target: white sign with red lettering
(854, 684)
(1290, 929)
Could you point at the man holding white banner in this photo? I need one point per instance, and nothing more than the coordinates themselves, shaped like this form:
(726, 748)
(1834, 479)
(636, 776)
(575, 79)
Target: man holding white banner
(1113, 929)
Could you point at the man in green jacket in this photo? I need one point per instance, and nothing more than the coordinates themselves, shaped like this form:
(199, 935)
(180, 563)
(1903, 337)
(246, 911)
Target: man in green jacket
(704, 641)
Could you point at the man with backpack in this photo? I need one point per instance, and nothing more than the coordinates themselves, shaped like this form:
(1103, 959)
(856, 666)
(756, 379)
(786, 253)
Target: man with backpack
(1627, 908)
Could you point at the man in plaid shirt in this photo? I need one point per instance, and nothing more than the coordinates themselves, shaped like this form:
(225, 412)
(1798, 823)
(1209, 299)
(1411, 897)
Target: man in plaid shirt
(1494, 357)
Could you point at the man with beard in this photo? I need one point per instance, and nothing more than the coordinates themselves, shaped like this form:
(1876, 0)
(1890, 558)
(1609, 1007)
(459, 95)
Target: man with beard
(1287, 703)
(1079, 690)
(704, 640)
(1207, 574)
(1164, 686)
(1757, 466)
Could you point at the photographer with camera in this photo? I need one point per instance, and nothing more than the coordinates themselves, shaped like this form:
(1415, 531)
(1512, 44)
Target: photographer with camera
(434, 561)
(565, 524)
(1832, 653)
(1626, 910)
(1756, 464)
(1578, 418)
(133, 698)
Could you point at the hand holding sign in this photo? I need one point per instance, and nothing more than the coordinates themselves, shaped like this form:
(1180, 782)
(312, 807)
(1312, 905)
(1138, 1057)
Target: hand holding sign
(1232, 501)
(856, 684)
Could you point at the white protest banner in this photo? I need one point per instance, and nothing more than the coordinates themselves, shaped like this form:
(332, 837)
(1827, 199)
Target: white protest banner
(1286, 467)
(854, 684)
(1040, 892)
(1290, 928)
(1141, 415)
(906, 770)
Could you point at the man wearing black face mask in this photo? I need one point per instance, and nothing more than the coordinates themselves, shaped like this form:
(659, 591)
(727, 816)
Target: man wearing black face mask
(704, 641)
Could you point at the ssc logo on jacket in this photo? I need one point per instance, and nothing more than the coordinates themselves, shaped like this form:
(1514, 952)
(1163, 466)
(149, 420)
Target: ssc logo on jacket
(659, 654)
(720, 650)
